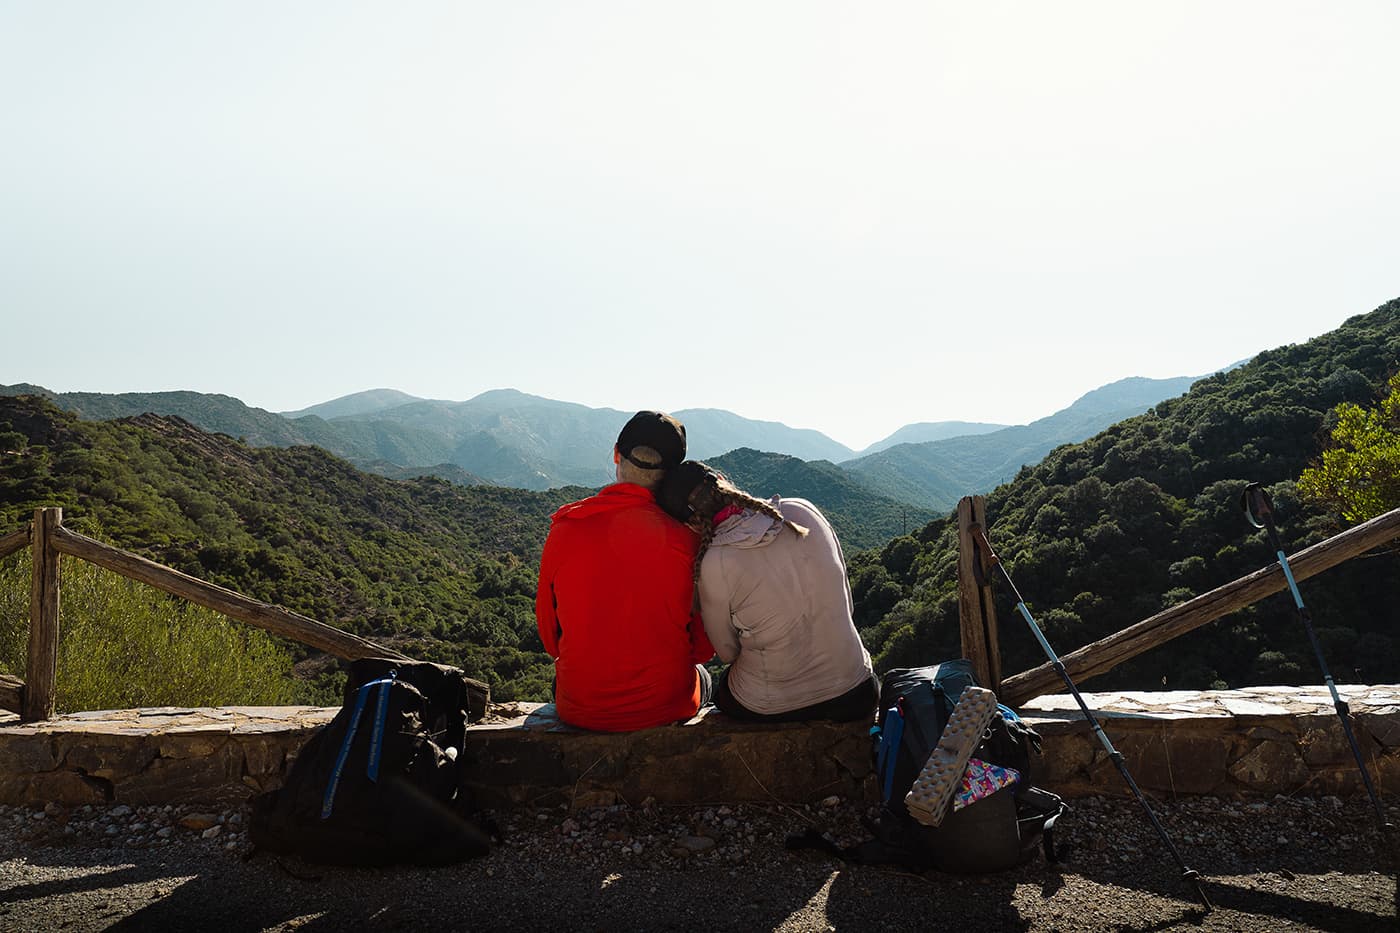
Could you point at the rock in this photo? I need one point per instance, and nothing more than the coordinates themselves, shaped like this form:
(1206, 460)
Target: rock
(697, 844)
(52, 809)
(164, 832)
(1270, 764)
(832, 801)
(198, 821)
(211, 832)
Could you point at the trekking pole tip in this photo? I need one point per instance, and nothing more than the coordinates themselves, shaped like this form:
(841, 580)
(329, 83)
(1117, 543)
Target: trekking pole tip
(1194, 877)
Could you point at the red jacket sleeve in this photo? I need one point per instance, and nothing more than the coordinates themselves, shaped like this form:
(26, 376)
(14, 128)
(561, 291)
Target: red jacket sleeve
(546, 616)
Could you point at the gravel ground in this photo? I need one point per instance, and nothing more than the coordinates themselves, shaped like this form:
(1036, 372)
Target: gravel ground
(1281, 864)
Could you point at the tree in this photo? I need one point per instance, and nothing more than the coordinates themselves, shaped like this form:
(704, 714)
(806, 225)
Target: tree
(1360, 475)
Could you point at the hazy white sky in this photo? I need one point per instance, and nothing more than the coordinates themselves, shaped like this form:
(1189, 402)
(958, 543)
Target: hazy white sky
(840, 216)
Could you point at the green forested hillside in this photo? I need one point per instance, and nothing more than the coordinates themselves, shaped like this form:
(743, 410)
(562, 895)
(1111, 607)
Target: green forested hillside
(439, 570)
(1104, 533)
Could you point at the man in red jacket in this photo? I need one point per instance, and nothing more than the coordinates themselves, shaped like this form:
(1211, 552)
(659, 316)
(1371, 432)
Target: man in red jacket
(615, 597)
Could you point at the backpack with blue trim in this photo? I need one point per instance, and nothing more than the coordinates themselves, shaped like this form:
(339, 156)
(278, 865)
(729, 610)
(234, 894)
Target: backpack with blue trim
(379, 784)
(993, 833)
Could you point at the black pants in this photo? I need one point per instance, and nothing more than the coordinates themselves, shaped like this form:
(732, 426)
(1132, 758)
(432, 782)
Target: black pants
(857, 703)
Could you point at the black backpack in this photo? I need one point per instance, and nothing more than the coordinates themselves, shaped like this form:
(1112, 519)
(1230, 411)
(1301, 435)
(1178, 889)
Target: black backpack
(997, 832)
(380, 783)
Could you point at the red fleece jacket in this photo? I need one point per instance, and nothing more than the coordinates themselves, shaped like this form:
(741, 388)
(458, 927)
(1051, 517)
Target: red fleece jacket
(614, 611)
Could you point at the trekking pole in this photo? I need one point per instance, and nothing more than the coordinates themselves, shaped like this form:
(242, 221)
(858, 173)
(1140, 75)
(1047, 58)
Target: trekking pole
(1259, 508)
(1188, 874)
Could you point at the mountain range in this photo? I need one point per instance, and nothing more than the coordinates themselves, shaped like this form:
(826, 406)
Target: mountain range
(1098, 534)
(506, 437)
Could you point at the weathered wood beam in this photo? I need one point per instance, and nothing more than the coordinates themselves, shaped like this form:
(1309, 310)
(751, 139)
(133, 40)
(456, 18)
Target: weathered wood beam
(1107, 653)
(977, 614)
(41, 671)
(11, 693)
(266, 616)
(254, 612)
(13, 542)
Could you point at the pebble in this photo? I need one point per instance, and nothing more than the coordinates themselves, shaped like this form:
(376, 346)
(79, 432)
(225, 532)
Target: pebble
(211, 832)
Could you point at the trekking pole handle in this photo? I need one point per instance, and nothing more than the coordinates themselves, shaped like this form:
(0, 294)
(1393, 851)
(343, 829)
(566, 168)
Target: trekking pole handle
(1258, 506)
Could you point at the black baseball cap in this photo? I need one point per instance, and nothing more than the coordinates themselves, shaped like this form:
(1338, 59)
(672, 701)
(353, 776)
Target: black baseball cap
(657, 430)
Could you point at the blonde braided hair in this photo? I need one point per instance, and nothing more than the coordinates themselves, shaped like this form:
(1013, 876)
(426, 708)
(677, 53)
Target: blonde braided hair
(711, 496)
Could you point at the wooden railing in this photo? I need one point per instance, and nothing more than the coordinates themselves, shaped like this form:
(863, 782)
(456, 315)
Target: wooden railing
(33, 698)
(979, 625)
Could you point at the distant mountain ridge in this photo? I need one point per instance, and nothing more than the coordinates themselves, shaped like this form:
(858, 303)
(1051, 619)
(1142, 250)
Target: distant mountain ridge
(506, 437)
(367, 402)
(926, 431)
(937, 474)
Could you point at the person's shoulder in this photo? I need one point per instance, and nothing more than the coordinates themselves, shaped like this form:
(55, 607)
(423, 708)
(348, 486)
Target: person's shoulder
(795, 507)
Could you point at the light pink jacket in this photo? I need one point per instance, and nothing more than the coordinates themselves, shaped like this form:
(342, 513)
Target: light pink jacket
(777, 607)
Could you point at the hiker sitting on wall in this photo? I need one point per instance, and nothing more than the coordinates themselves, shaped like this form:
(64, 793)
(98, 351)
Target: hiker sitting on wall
(615, 597)
(775, 601)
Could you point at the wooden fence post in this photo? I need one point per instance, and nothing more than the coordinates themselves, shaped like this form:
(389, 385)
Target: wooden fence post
(41, 673)
(977, 614)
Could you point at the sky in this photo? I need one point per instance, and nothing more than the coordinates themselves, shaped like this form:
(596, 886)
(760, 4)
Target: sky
(846, 217)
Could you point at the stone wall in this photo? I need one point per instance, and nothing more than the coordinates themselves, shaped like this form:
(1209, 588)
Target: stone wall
(1254, 741)
(152, 756)
(1261, 740)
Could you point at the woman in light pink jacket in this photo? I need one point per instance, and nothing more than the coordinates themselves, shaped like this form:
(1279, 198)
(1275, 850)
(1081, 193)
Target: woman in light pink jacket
(771, 583)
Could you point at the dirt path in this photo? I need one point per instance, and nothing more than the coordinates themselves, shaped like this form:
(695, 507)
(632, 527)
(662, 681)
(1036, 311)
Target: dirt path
(1272, 865)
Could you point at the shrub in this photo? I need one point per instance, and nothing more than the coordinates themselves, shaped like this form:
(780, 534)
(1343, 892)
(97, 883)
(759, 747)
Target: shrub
(124, 645)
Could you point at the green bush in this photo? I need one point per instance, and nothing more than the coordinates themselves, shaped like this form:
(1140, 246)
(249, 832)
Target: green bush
(124, 645)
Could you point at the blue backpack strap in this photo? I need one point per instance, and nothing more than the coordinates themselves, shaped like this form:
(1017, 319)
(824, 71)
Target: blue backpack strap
(889, 749)
(361, 696)
(376, 739)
